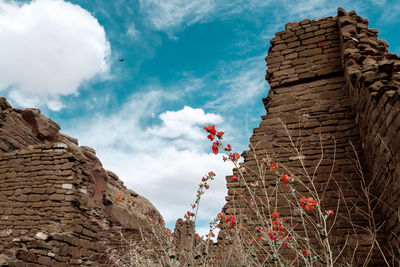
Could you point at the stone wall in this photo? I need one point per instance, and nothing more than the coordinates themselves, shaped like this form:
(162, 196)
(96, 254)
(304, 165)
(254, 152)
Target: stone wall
(333, 102)
(57, 203)
(373, 84)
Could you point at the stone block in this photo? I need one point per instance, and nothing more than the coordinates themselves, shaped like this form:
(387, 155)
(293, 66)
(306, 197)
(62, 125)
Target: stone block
(310, 52)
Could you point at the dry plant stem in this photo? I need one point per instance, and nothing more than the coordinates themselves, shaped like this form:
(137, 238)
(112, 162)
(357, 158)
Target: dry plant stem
(241, 252)
(329, 257)
(366, 190)
(258, 213)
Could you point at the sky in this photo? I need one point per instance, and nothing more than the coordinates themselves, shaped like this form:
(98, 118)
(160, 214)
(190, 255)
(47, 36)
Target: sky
(188, 63)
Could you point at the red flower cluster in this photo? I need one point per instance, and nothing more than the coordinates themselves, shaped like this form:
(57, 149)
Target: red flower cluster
(167, 231)
(220, 134)
(188, 215)
(229, 219)
(119, 198)
(308, 203)
(285, 178)
(278, 226)
(278, 232)
(275, 214)
(273, 166)
(305, 253)
(212, 132)
(215, 147)
(234, 156)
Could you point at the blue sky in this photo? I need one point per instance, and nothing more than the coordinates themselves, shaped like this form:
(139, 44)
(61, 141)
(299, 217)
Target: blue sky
(188, 63)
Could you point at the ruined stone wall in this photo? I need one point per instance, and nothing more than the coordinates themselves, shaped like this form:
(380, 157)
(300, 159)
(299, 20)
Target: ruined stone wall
(326, 111)
(373, 84)
(57, 203)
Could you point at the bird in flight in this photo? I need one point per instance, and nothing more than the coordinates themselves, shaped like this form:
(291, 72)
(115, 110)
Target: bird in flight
(122, 60)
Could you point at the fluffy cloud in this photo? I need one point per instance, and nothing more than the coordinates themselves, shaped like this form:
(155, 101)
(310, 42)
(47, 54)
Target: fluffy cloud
(163, 159)
(182, 123)
(48, 48)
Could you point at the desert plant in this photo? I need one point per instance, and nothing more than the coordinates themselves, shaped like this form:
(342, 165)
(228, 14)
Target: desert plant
(278, 219)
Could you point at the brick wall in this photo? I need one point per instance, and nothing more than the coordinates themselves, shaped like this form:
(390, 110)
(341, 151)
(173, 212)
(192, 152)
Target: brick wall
(333, 95)
(57, 203)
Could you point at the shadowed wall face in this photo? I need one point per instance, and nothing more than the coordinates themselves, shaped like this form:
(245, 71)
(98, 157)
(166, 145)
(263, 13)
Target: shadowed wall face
(372, 77)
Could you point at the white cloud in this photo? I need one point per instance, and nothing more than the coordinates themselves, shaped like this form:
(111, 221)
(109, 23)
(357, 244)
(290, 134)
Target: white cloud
(244, 83)
(182, 123)
(390, 15)
(163, 162)
(172, 15)
(48, 48)
(132, 32)
(166, 15)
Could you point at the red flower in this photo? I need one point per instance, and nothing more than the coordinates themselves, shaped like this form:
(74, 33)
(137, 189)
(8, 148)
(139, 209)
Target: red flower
(211, 136)
(273, 166)
(302, 201)
(305, 253)
(214, 147)
(228, 147)
(285, 178)
(275, 225)
(231, 220)
(210, 129)
(220, 134)
(286, 244)
(275, 214)
(207, 186)
(329, 212)
(234, 178)
(308, 203)
(234, 156)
